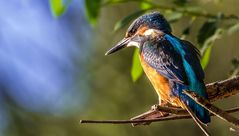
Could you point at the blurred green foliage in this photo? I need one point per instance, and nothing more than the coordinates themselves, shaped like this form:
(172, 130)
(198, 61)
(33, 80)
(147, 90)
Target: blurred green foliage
(58, 7)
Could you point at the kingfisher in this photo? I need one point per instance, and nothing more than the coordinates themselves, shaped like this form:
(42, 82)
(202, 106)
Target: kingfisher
(172, 65)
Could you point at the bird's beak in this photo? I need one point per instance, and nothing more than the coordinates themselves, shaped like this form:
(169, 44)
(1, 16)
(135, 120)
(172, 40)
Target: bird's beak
(126, 42)
(120, 45)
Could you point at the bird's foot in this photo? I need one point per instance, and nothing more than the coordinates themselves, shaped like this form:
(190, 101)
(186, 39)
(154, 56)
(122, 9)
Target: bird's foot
(155, 107)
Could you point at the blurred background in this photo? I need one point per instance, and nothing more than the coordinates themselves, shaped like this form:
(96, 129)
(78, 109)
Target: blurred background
(53, 71)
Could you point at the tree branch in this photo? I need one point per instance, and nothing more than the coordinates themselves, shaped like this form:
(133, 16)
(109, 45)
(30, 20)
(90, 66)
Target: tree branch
(223, 89)
(216, 91)
(170, 117)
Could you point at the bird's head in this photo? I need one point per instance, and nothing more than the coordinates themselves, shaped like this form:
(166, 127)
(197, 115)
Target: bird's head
(147, 26)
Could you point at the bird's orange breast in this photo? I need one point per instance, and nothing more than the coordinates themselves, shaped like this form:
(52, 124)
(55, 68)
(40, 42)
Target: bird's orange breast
(160, 84)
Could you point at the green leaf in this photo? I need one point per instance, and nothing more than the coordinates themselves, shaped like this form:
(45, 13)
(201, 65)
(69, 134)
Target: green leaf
(186, 31)
(92, 8)
(207, 30)
(207, 47)
(58, 7)
(136, 70)
(206, 57)
(120, 24)
(144, 5)
(234, 28)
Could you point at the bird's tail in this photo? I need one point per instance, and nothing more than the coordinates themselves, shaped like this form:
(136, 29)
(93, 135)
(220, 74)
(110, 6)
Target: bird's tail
(196, 120)
(201, 113)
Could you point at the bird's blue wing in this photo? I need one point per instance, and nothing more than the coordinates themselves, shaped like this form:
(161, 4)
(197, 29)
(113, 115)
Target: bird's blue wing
(192, 57)
(162, 56)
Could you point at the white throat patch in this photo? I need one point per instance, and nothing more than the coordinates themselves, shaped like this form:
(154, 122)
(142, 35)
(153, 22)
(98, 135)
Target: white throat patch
(133, 43)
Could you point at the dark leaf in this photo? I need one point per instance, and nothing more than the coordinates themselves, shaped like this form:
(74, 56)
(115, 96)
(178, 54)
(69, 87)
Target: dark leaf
(180, 2)
(207, 30)
(92, 10)
(120, 24)
(136, 70)
(186, 31)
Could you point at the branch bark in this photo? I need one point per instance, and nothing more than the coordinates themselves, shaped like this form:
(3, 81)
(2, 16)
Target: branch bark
(223, 89)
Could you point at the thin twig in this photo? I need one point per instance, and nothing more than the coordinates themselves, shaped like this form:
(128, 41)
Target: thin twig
(159, 111)
(170, 117)
(173, 117)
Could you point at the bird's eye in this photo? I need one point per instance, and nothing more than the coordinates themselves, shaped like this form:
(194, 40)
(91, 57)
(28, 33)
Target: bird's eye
(130, 33)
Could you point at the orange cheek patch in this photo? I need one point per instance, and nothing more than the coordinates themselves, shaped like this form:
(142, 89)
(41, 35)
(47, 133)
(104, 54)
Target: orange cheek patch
(141, 30)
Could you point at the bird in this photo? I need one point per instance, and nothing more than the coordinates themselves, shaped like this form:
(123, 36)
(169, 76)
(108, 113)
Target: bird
(172, 65)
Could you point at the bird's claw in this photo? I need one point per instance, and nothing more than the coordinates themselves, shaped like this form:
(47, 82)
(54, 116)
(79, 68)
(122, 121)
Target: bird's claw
(155, 107)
